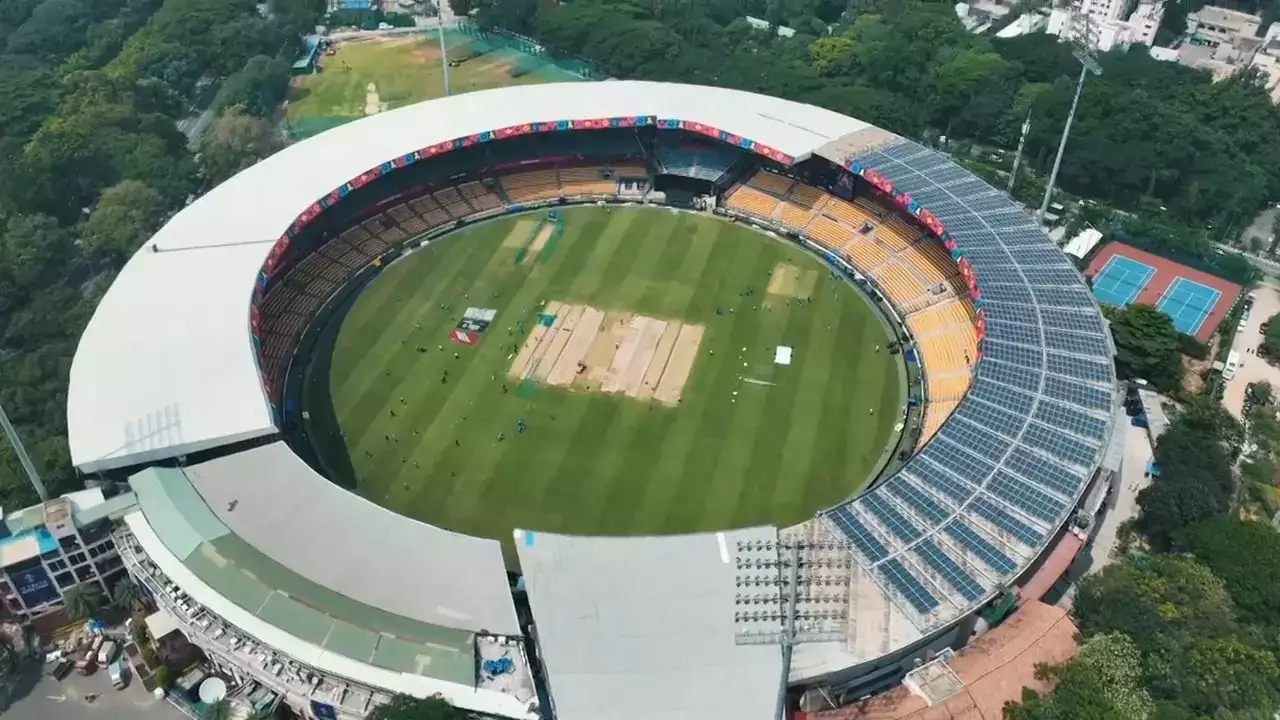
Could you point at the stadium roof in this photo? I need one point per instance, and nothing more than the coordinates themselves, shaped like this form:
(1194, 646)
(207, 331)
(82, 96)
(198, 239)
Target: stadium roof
(298, 615)
(279, 505)
(643, 628)
(165, 366)
(968, 514)
(224, 576)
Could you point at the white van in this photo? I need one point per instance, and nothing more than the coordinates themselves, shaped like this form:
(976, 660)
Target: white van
(1233, 364)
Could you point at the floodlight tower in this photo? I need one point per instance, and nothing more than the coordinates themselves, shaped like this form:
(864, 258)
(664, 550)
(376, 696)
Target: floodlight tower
(1086, 52)
(21, 451)
(444, 54)
(1017, 157)
(791, 591)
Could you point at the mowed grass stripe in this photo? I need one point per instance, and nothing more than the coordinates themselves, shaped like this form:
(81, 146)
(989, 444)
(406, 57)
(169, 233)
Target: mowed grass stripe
(418, 373)
(737, 480)
(553, 432)
(678, 271)
(715, 289)
(483, 376)
(702, 441)
(596, 464)
(382, 300)
(824, 370)
(625, 283)
(613, 478)
(491, 409)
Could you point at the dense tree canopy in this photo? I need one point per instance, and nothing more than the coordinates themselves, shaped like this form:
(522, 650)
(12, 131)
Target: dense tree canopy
(94, 162)
(1147, 346)
(1246, 555)
(1195, 456)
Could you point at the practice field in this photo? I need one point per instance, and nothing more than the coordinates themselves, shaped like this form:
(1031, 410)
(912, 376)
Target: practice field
(376, 74)
(652, 400)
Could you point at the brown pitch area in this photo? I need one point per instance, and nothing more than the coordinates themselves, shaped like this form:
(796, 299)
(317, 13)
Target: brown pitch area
(610, 352)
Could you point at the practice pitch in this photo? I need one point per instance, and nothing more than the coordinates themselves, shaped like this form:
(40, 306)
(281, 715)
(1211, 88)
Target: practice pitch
(639, 357)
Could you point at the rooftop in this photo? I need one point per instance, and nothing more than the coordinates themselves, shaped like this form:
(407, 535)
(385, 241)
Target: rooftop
(241, 575)
(277, 503)
(643, 628)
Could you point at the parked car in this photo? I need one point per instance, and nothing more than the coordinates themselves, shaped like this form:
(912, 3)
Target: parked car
(116, 671)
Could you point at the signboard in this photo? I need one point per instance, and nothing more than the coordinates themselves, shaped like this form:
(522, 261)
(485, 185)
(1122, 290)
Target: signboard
(34, 586)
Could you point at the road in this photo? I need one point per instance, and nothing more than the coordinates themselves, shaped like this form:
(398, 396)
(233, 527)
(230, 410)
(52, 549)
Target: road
(1266, 302)
(40, 697)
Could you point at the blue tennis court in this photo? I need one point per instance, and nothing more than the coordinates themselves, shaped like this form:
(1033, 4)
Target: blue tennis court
(1188, 303)
(1120, 280)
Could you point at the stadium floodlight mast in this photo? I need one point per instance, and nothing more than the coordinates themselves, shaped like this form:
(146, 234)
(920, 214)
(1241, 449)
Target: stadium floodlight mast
(1017, 157)
(444, 54)
(21, 451)
(1085, 51)
(791, 570)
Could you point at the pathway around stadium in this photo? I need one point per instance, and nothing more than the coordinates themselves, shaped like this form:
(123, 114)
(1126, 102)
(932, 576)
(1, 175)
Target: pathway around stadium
(1137, 451)
(48, 699)
(1266, 302)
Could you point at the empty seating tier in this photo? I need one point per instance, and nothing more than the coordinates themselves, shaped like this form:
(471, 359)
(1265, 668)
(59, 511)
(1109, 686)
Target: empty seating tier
(768, 182)
(794, 216)
(899, 285)
(751, 201)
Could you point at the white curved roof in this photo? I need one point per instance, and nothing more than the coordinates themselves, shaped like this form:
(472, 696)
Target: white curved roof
(165, 366)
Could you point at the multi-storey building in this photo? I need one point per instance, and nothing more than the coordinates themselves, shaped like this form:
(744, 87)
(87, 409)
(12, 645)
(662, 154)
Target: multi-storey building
(48, 549)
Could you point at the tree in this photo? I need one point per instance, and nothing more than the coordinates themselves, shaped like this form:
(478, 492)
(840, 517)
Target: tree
(1103, 682)
(1270, 347)
(1146, 346)
(126, 214)
(1246, 555)
(1227, 674)
(404, 707)
(1260, 394)
(259, 87)
(233, 142)
(82, 601)
(126, 594)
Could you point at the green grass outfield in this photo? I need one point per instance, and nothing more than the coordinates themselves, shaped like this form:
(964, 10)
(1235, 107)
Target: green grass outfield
(597, 464)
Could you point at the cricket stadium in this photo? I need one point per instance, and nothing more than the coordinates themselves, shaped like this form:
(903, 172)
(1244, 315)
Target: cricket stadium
(589, 400)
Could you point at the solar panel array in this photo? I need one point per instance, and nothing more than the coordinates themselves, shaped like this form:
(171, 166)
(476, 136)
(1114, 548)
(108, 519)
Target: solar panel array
(971, 511)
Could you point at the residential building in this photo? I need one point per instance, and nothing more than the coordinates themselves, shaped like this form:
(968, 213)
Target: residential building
(1215, 26)
(1103, 24)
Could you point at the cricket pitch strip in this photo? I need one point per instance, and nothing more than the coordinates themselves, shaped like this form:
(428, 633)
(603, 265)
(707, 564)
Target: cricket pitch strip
(582, 347)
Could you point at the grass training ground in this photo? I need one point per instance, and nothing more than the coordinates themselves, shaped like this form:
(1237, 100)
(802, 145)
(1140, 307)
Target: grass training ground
(376, 74)
(740, 440)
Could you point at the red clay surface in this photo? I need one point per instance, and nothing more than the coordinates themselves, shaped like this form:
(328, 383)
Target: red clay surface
(1166, 272)
(994, 669)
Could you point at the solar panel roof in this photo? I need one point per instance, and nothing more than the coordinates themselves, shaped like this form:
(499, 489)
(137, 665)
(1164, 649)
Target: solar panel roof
(1008, 466)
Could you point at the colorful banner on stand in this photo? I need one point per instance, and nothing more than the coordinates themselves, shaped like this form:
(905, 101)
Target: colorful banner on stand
(938, 230)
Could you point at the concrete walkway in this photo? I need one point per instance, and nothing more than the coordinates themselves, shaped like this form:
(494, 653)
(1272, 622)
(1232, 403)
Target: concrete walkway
(1137, 452)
